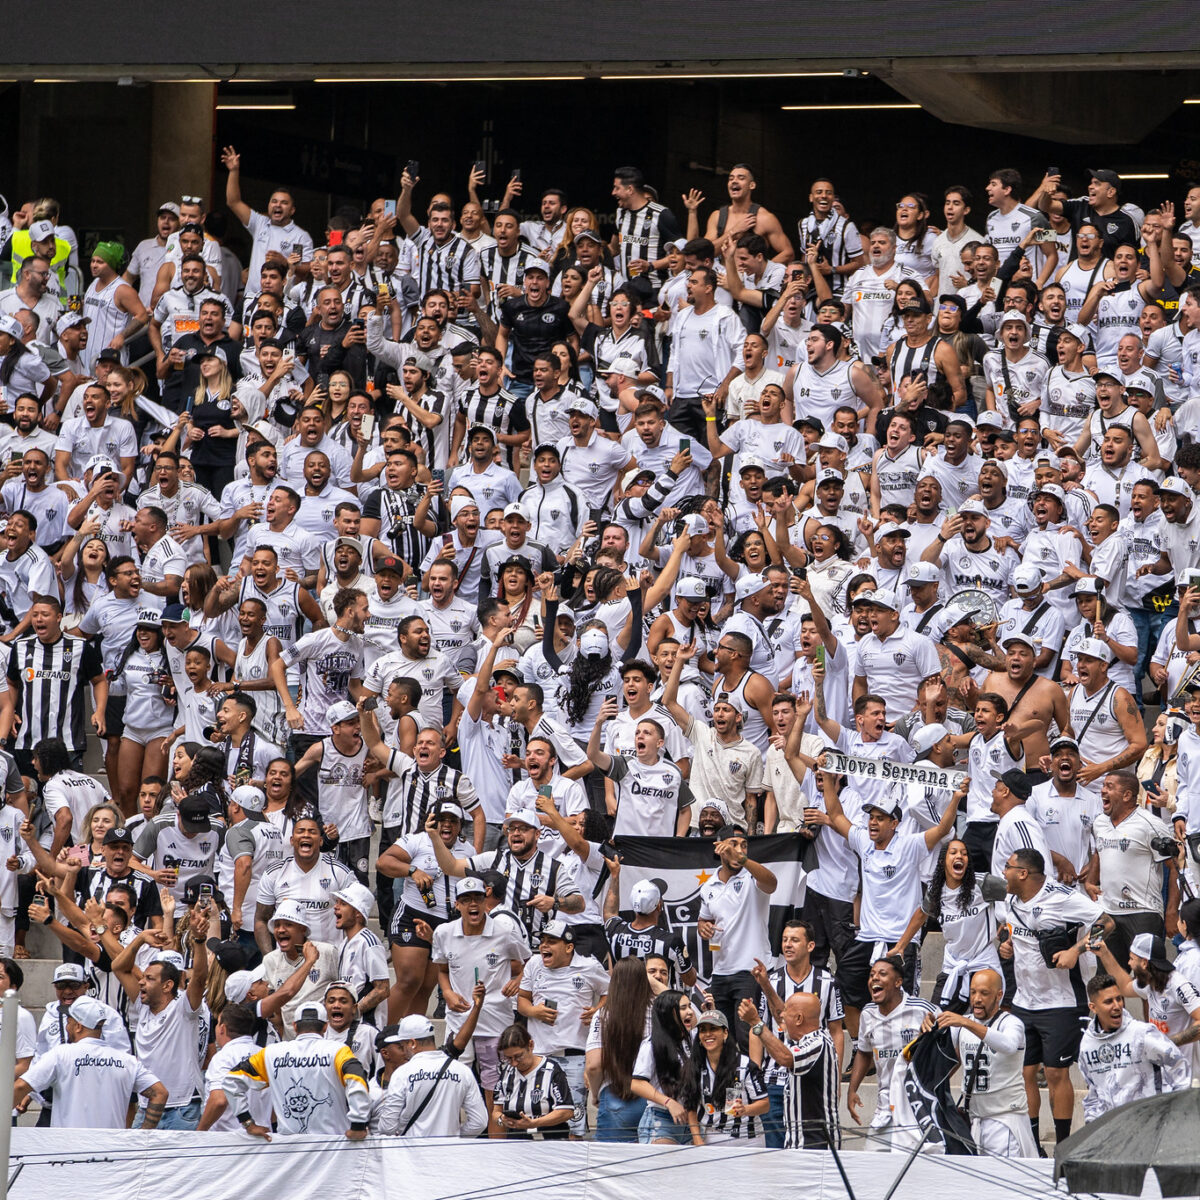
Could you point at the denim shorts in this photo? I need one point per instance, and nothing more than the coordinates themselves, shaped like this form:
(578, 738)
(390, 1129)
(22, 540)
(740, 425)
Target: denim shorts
(656, 1126)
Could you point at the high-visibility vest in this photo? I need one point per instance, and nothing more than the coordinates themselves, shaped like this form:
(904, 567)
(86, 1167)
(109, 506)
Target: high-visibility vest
(22, 248)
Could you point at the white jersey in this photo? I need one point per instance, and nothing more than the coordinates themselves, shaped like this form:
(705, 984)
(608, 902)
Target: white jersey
(312, 890)
(91, 1082)
(820, 394)
(1055, 907)
(1077, 281)
(107, 320)
(884, 1036)
(1131, 1062)
(993, 1066)
(251, 665)
(1094, 720)
(1070, 399)
(649, 798)
(1131, 870)
(989, 569)
(871, 302)
(1116, 315)
(898, 476)
(1015, 383)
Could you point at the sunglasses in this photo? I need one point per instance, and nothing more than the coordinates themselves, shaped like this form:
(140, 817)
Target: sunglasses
(191, 200)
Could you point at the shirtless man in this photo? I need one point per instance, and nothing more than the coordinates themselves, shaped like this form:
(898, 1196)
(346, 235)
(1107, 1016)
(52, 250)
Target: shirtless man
(742, 215)
(960, 652)
(1032, 700)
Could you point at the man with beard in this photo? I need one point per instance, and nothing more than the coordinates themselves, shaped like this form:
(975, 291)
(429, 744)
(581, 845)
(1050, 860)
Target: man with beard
(892, 661)
(1033, 702)
(244, 501)
(970, 557)
(320, 497)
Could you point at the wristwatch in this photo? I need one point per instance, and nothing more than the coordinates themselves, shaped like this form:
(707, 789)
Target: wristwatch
(757, 1029)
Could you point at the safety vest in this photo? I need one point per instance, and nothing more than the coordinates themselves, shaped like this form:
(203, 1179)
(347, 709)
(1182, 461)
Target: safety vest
(22, 248)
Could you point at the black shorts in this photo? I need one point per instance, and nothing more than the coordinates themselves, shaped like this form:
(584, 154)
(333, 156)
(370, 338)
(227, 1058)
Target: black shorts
(1052, 1035)
(854, 966)
(1126, 926)
(979, 837)
(114, 717)
(403, 932)
(832, 924)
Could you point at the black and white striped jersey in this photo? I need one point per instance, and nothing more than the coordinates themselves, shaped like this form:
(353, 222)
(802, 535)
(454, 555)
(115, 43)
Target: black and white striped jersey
(536, 876)
(452, 266)
(643, 233)
(818, 981)
(49, 680)
(504, 270)
(810, 1106)
(537, 1094)
(412, 794)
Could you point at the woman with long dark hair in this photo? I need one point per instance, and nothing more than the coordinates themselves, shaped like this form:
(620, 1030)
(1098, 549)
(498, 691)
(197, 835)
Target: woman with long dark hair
(206, 778)
(732, 1088)
(617, 1033)
(82, 565)
(515, 590)
(968, 921)
(591, 677)
(829, 568)
(663, 1076)
(914, 238)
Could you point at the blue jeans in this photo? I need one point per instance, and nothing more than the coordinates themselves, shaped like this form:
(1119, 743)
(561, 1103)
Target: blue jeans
(773, 1126)
(617, 1119)
(187, 1116)
(1149, 626)
(519, 388)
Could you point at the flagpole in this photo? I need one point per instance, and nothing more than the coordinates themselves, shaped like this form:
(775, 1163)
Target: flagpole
(8, 1062)
(837, 1162)
(908, 1162)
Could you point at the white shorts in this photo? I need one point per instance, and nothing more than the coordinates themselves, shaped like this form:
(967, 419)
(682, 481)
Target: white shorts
(1007, 1136)
(143, 737)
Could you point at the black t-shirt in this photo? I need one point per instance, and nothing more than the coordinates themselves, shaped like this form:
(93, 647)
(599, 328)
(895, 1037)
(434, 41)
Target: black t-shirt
(179, 385)
(1117, 228)
(214, 451)
(533, 330)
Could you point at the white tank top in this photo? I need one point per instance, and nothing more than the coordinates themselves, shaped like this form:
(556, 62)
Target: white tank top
(754, 728)
(1103, 738)
(820, 396)
(107, 320)
(898, 477)
(340, 786)
(253, 666)
(1076, 282)
(284, 618)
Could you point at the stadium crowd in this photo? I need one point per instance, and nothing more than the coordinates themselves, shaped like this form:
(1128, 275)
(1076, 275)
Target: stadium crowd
(377, 608)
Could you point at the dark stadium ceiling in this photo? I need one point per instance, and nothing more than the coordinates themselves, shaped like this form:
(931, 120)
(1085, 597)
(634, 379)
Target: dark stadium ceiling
(471, 39)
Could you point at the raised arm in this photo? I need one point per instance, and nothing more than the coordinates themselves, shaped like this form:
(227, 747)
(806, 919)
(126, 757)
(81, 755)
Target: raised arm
(232, 161)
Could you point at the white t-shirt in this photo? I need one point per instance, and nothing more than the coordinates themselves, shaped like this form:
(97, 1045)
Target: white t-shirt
(575, 987)
(739, 908)
(78, 792)
(168, 1044)
(92, 1083)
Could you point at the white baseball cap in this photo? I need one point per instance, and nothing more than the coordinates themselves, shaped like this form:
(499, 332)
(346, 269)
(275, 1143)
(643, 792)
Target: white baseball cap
(1014, 315)
(921, 572)
(343, 710)
(749, 585)
(1094, 648)
(414, 1027)
(310, 1010)
(833, 441)
(928, 736)
(692, 587)
(1027, 577)
(522, 816)
(593, 642)
(623, 364)
(238, 985)
(645, 897)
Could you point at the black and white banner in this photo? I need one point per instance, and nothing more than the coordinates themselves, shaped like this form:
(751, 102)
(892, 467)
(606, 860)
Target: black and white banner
(883, 770)
(679, 868)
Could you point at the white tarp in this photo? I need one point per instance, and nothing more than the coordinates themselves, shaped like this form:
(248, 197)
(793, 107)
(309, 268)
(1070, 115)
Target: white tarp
(206, 1166)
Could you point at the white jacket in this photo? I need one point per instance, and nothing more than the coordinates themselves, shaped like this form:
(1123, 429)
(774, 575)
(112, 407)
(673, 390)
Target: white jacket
(1130, 1063)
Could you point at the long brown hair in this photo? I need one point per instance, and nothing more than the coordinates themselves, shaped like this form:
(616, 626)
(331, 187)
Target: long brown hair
(623, 1024)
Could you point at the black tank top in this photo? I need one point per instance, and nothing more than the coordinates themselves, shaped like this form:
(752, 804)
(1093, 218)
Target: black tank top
(723, 216)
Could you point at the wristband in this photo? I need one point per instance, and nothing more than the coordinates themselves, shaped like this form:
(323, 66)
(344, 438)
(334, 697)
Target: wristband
(244, 1118)
(940, 539)
(710, 418)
